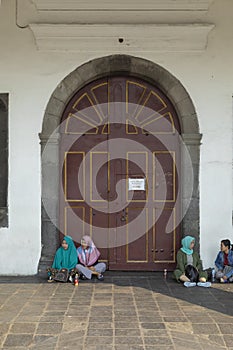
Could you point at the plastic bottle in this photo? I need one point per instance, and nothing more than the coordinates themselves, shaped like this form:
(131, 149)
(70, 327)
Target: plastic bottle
(165, 273)
(213, 275)
(76, 281)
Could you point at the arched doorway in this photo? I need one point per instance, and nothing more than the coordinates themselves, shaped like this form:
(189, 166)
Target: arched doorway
(119, 133)
(151, 75)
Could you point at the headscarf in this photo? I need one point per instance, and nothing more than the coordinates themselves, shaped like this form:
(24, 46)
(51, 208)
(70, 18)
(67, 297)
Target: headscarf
(186, 241)
(66, 258)
(90, 255)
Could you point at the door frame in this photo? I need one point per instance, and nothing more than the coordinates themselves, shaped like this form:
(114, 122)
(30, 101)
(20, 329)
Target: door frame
(49, 138)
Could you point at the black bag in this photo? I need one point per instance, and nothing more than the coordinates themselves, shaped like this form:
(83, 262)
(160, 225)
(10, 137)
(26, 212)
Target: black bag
(192, 273)
(62, 275)
(209, 273)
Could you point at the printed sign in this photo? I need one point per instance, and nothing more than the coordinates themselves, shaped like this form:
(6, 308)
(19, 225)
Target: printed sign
(137, 185)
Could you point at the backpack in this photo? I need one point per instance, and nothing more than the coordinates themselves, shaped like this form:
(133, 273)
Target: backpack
(192, 273)
(62, 275)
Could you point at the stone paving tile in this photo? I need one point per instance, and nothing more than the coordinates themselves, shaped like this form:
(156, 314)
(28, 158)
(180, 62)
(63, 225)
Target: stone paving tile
(107, 332)
(49, 328)
(186, 342)
(180, 327)
(129, 347)
(154, 332)
(226, 328)
(15, 348)
(101, 319)
(47, 342)
(129, 340)
(199, 319)
(18, 340)
(152, 325)
(212, 347)
(69, 326)
(160, 347)
(130, 325)
(98, 347)
(229, 340)
(215, 340)
(4, 327)
(27, 318)
(176, 319)
(23, 328)
(118, 314)
(98, 341)
(182, 345)
(97, 325)
(151, 318)
(70, 340)
(205, 328)
(162, 341)
(167, 306)
(127, 332)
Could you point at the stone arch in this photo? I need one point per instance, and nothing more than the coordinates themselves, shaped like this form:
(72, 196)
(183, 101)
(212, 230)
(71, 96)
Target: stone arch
(92, 70)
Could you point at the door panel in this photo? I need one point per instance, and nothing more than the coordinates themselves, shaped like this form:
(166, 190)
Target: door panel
(114, 131)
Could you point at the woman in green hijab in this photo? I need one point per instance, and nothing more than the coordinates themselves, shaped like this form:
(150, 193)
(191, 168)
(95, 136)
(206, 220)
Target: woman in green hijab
(65, 257)
(185, 257)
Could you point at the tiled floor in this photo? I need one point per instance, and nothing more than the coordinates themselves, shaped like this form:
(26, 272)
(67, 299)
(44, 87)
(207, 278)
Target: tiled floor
(127, 311)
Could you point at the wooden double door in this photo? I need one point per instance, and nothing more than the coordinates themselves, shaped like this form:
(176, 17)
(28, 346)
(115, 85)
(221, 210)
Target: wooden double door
(120, 161)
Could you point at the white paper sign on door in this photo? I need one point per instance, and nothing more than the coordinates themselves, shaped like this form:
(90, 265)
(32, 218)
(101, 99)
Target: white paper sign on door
(137, 185)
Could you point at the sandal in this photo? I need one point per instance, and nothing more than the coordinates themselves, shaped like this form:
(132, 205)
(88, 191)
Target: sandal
(100, 277)
(50, 279)
(82, 277)
(190, 284)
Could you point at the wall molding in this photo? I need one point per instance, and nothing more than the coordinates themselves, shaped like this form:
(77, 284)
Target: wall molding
(122, 5)
(107, 37)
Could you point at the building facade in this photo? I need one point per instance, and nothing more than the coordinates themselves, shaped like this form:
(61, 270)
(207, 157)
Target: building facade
(116, 121)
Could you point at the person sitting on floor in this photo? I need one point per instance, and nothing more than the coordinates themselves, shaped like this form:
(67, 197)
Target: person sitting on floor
(65, 258)
(224, 262)
(88, 256)
(188, 264)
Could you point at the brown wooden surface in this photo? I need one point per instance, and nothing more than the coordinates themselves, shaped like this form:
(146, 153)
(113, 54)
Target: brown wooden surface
(156, 249)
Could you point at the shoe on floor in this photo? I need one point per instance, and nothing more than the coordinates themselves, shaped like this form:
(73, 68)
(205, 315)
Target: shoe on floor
(70, 279)
(204, 284)
(100, 277)
(82, 277)
(190, 284)
(223, 281)
(50, 279)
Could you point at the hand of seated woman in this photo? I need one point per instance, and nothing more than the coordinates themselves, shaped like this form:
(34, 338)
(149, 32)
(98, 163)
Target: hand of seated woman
(91, 268)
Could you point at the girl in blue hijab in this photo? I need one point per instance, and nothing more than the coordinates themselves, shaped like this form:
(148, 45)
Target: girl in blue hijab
(187, 257)
(65, 257)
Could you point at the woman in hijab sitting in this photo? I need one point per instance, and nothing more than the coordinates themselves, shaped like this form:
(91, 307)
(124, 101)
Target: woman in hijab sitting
(65, 258)
(88, 256)
(189, 266)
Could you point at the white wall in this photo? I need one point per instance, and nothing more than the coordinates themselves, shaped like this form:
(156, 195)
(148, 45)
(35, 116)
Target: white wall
(31, 76)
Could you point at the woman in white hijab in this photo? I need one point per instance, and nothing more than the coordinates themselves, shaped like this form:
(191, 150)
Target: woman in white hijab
(88, 256)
